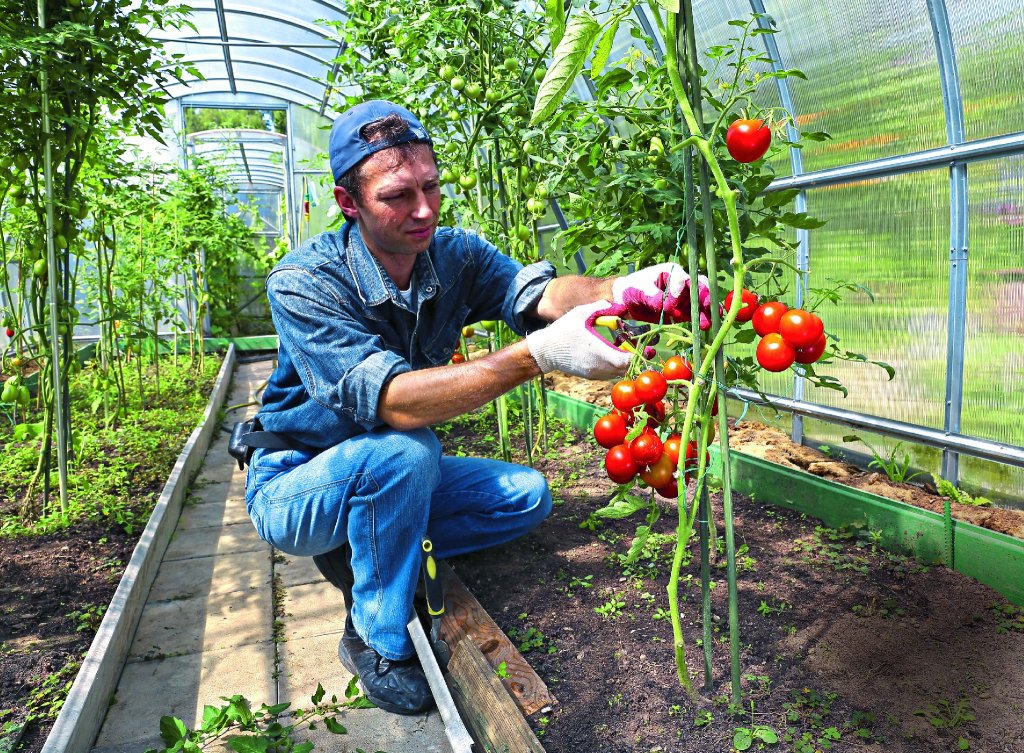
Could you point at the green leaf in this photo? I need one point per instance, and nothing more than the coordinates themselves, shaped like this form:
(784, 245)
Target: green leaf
(745, 336)
(742, 739)
(277, 708)
(172, 730)
(306, 747)
(767, 734)
(604, 48)
(642, 534)
(254, 744)
(566, 65)
(780, 198)
(554, 12)
(672, 6)
(800, 220)
(333, 725)
(621, 507)
(318, 695)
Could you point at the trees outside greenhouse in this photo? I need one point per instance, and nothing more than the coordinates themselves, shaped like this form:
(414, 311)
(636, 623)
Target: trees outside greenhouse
(795, 523)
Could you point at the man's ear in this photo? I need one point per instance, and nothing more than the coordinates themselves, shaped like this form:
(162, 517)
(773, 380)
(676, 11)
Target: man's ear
(347, 204)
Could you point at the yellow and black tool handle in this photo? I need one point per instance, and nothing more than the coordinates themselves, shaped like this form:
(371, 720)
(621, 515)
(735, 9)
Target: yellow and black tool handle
(432, 581)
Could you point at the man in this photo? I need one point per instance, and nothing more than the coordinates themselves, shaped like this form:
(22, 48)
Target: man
(368, 319)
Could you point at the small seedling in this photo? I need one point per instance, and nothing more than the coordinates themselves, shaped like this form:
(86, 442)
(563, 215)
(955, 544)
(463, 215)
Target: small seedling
(895, 469)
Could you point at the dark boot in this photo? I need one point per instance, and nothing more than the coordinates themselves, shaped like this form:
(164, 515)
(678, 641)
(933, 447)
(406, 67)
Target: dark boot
(336, 567)
(396, 686)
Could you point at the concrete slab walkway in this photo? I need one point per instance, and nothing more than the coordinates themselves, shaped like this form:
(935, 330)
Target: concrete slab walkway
(208, 627)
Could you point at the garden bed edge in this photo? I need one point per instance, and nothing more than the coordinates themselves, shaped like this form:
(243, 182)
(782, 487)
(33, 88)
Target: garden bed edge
(85, 707)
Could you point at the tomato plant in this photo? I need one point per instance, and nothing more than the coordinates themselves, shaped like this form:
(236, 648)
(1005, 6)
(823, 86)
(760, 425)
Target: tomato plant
(748, 306)
(800, 328)
(650, 386)
(748, 139)
(610, 430)
(768, 316)
(677, 368)
(624, 395)
(619, 464)
(812, 353)
(774, 353)
(646, 448)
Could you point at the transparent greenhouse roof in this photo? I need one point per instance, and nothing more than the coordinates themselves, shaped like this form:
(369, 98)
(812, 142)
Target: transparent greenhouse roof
(252, 48)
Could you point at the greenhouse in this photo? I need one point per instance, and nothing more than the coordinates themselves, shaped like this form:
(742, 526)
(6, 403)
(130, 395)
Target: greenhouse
(511, 376)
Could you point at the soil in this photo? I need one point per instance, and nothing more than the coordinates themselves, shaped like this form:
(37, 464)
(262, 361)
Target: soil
(842, 645)
(765, 442)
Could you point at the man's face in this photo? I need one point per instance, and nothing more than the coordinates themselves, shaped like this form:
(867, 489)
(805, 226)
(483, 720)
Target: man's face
(399, 203)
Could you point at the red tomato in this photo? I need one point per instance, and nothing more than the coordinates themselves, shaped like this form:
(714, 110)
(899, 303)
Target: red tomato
(813, 353)
(676, 368)
(766, 318)
(9, 332)
(748, 140)
(624, 395)
(646, 448)
(458, 358)
(800, 328)
(610, 430)
(774, 353)
(651, 386)
(670, 490)
(659, 473)
(672, 445)
(655, 413)
(747, 309)
(620, 465)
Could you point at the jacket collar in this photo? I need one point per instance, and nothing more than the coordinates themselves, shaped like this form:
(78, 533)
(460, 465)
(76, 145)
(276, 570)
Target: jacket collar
(373, 283)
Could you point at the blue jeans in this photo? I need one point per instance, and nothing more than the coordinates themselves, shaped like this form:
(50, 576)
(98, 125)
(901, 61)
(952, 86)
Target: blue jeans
(383, 492)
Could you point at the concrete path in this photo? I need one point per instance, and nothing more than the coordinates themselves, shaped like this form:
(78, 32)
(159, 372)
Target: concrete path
(208, 627)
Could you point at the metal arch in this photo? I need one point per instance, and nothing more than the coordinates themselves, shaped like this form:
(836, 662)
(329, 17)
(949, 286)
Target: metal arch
(269, 84)
(222, 24)
(245, 161)
(329, 88)
(280, 18)
(249, 61)
(796, 161)
(952, 105)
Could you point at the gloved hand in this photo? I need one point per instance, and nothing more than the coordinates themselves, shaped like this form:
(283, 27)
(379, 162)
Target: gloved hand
(661, 293)
(571, 345)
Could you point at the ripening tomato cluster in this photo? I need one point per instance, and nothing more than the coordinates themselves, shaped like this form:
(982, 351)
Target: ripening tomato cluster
(787, 335)
(646, 455)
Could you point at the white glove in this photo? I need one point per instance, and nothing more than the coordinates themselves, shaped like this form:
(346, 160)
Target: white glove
(570, 345)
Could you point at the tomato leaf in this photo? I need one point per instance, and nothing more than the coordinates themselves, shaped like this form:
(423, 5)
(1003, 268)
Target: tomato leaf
(621, 507)
(672, 6)
(642, 534)
(780, 198)
(554, 11)
(566, 65)
(334, 726)
(172, 730)
(604, 48)
(800, 220)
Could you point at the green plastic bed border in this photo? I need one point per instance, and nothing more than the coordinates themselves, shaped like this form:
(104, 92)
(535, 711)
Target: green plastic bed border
(994, 559)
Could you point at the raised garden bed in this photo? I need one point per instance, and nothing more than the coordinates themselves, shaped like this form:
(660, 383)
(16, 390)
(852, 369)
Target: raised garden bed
(845, 645)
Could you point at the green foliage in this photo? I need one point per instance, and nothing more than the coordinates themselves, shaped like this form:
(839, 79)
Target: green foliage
(210, 118)
(949, 490)
(945, 714)
(530, 638)
(895, 469)
(260, 731)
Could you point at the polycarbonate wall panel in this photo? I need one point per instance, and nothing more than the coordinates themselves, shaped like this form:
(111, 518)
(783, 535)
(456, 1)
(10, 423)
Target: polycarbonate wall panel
(988, 36)
(871, 70)
(994, 341)
(309, 136)
(892, 236)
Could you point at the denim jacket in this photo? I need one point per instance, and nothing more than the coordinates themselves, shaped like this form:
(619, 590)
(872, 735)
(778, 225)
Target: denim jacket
(344, 330)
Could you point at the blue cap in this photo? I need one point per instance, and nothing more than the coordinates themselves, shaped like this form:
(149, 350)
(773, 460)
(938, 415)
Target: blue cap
(348, 148)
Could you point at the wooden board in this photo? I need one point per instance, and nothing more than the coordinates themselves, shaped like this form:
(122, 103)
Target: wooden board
(465, 617)
(486, 708)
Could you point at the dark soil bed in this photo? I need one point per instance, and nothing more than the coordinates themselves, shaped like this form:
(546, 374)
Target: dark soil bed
(843, 646)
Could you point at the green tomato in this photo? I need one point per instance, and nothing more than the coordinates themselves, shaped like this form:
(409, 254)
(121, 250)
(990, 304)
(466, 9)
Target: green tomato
(9, 393)
(656, 149)
(542, 191)
(489, 325)
(468, 181)
(492, 95)
(454, 116)
(24, 396)
(39, 267)
(538, 75)
(524, 233)
(474, 91)
(469, 331)
(447, 72)
(660, 184)
(458, 83)
(529, 148)
(448, 176)
(524, 173)
(535, 205)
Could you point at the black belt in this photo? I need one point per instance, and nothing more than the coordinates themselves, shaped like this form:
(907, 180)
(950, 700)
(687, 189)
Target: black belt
(246, 436)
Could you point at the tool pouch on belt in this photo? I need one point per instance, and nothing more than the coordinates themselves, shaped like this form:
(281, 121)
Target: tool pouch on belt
(237, 448)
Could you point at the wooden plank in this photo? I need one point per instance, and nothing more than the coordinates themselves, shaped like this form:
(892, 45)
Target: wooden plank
(464, 616)
(485, 706)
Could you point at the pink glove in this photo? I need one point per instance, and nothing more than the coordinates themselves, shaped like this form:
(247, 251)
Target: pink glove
(661, 293)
